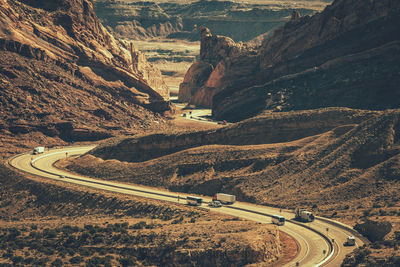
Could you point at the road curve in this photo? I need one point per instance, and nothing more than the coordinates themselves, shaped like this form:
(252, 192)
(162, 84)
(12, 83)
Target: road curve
(314, 239)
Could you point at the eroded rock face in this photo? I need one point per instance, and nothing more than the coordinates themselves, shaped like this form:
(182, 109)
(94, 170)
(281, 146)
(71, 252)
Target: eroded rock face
(195, 77)
(215, 51)
(344, 56)
(68, 32)
(59, 64)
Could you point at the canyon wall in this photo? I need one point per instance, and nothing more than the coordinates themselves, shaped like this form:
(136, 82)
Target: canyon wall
(240, 21)
(344, 56)
(60, 66)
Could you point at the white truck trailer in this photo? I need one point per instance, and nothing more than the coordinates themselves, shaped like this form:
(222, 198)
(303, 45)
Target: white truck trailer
(225, 198)
(304, 215)
(38, 150)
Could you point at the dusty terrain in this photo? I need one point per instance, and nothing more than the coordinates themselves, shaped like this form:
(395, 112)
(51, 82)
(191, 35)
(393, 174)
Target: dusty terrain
(341, 163)
(43, 222)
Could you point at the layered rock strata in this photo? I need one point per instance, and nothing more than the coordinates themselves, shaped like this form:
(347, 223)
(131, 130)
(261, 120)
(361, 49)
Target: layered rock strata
(59, 65)
(344, 56)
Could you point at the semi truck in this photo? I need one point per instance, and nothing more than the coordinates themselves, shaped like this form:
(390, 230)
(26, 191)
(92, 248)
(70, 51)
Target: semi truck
(194, 201)
(304, 215)
(225, 198)
(38, 150)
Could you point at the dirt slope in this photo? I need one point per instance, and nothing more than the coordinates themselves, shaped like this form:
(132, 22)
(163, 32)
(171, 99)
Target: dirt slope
(297, 157)
(44, 222)
(63, 75)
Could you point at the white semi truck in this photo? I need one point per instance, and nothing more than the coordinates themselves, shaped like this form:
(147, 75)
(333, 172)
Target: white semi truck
(304, 215)
(225, 198)
(38, 150)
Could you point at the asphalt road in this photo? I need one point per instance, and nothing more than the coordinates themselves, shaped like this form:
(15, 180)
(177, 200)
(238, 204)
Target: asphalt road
(320, 242)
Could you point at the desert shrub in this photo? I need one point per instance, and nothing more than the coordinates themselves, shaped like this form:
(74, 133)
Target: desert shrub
(373, 230)
(376, 205)
(29, 260)
(17, 259)
(397, 235)
(57, 263)
(366, 212)
(176, 221)
(49, 233)
(193, 220)
(382, 212)
(128, 261)
(360, 254)
(98, 239)
(76, 260)
(139, 225)
(98, 261)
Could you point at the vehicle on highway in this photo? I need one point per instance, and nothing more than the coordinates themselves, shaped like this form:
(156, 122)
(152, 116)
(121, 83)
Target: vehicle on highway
(222, 122)
(304, 215)
(194, 201)
(215, 204)
(62, 176)
(38, 150)
(225, 198)
(278, 220)
(350, 241)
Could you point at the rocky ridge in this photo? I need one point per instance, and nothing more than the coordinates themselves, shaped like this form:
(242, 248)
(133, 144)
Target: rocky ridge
(182, 19)
(343, 56)
(64, 75)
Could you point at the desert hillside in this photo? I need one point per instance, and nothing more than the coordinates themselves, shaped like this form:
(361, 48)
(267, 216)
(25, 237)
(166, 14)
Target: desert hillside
(346, 56)
(45, 223)
(324, 156)
(64, 76)
(339, 163)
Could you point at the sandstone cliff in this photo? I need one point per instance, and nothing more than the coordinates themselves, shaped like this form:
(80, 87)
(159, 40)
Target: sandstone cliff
(344, 56)
(60, 66)
(242, 21)
(203, 79)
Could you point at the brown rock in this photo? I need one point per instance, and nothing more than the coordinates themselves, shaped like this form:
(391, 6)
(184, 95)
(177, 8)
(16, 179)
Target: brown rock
(195, 77)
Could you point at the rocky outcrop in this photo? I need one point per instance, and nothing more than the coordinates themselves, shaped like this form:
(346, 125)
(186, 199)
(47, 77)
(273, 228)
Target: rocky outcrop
(241, 21)
(68, 33)
(343, 56)
(215, 51)
(271, 128)
(59, 64)
(195, 77)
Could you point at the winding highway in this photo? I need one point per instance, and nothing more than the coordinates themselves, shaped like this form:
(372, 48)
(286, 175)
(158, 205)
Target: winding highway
(320, 242)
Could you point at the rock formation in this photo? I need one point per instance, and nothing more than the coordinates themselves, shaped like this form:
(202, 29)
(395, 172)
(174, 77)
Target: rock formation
(216, 53)
(57, 60)
(241, 21)
(346, 55)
